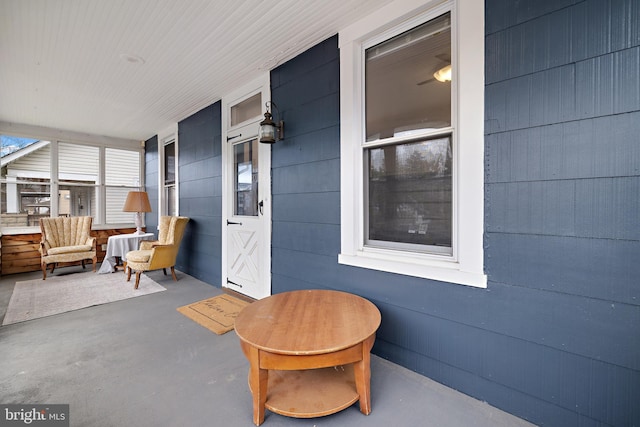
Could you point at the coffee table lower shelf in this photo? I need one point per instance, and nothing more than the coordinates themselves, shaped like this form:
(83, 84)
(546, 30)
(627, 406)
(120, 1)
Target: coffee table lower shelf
(311, 393)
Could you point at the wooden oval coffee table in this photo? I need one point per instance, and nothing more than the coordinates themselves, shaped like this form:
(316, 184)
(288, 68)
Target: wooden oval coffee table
(317, 344)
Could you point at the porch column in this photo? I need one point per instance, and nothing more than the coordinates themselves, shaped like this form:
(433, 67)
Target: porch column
(13, 201)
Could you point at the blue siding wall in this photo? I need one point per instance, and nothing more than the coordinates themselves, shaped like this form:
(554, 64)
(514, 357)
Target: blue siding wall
(555, 338)
(200, 180)
(306, 171)
(562, 199)
(200, 177)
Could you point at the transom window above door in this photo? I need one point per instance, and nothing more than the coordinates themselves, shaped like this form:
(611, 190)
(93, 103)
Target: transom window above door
(245, 110)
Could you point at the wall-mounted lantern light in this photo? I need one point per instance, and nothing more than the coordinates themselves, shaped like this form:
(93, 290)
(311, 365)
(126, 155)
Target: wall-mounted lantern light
(270, 132)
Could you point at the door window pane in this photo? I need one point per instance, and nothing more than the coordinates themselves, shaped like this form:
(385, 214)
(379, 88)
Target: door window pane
(245, 186)
(402, 93)
(410, 195)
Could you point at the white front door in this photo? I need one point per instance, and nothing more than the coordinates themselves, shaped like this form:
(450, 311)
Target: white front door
(246, 202)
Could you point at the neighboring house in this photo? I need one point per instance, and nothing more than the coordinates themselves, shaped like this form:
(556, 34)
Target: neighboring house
(23, 204)
(27, 195)
(546, 325)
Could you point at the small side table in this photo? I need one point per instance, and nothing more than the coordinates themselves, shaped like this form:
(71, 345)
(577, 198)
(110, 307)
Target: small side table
(118, 246)
(309, 352)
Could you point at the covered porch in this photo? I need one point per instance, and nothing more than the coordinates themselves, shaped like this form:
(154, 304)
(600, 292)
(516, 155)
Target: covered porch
(140, 362)
(530, 302)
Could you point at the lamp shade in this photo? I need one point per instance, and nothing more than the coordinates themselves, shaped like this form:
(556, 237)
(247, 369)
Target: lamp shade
(137, 201)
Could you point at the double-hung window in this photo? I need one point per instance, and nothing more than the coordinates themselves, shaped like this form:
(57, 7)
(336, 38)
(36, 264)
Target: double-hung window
(168, 147)
(170, 178)
(412, 141)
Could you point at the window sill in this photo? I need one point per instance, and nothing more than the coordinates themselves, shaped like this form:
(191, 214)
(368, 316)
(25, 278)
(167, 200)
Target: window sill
(14, 231)
(416, 266)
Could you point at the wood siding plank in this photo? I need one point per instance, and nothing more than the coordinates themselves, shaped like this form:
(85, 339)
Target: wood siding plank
(20, 252)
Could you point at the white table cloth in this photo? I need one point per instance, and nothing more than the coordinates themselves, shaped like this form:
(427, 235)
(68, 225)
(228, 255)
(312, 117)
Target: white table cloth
(118, 246)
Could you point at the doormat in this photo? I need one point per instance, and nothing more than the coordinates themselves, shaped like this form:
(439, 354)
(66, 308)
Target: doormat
(217, 314)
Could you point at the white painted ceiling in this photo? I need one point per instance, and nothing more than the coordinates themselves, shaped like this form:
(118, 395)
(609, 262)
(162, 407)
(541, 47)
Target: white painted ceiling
(67, 64)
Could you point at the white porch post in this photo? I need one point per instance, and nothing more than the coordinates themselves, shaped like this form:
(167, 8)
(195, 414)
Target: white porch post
(13, 202)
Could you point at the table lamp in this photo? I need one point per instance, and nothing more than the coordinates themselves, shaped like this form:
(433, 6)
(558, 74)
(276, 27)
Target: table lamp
(138, 202)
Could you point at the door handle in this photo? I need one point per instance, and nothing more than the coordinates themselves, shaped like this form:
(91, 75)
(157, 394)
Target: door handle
(233, 223)
(260, 207)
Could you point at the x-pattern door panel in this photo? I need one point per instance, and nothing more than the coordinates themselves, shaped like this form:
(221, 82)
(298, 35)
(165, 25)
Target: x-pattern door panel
(244, 255)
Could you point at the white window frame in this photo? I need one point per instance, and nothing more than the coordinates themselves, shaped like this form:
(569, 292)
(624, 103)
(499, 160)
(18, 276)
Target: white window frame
(465, 265)
(164, 137)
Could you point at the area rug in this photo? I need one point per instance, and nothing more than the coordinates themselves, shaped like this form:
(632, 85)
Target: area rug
(217, 314)
(32, 299)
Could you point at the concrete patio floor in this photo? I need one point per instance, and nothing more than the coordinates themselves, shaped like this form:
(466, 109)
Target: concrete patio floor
(139, 362)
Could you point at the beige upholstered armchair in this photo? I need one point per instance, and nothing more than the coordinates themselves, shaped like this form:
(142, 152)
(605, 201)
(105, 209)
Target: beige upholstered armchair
(66, 239)
(160, 253)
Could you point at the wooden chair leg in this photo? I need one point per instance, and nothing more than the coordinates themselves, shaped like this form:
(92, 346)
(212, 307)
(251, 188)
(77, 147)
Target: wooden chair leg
(164, 270)
(94, 259)
(44, 271)
(83, 264)
(137, 280)
(128, 274)
(53, 267)
(173, 274)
